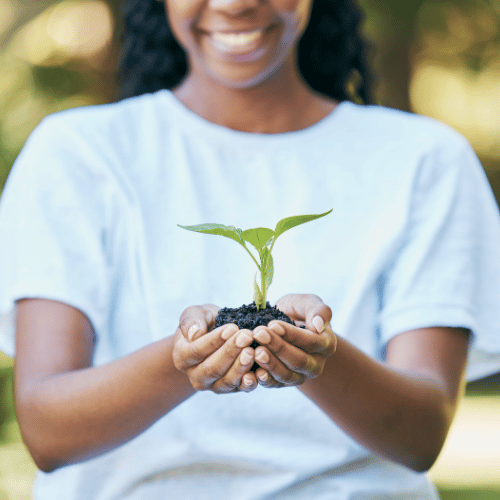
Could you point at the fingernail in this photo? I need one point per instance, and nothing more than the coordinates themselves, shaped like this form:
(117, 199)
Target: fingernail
(192, 331)
(248, 381)
(228, 332)
(243, 340)
(263, 357)
(263, 376)
(277, 328)
(263, 337)
(318, 323)
(246, 358)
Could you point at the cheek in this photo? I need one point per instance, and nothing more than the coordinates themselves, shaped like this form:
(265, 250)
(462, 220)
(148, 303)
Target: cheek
(183, 8)
(181, 15)
(295, 12)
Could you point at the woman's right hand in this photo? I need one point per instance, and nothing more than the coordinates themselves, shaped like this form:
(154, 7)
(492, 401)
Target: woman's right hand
(217, 360)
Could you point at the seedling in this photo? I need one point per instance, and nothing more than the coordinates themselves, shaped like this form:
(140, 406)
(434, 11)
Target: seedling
(263, 240)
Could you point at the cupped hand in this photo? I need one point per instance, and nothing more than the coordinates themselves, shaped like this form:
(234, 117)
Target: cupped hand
(195, 321)
(289, 355)
(219, 360)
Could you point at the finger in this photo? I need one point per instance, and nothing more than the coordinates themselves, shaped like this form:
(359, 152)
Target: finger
(266, 380)
(197, 351)
(291, 356)
(276, 368)
(306, 307)
(195, 321)
(305, 339)
(217, 365)
(238, 376)
(249, 382)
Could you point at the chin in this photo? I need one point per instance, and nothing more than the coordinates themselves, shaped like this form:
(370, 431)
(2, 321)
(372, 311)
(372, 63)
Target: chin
(246, 81)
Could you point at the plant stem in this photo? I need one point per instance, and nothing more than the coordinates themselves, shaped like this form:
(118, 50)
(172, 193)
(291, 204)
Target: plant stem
(272, 245)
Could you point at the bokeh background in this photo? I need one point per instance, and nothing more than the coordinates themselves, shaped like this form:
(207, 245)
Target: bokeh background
(439, 58)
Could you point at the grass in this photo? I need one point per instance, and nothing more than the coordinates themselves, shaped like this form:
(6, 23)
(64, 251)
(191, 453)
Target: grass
(470, 494)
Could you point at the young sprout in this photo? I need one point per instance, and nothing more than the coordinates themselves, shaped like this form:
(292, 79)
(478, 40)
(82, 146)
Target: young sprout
(263, 239)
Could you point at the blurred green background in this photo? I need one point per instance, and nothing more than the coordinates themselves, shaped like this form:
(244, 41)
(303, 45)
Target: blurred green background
(439, 58)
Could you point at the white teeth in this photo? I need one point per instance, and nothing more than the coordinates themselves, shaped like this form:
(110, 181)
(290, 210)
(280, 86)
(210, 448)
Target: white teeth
(237, 39)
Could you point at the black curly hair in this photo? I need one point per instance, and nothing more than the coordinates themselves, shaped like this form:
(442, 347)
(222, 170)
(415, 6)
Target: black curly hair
(332, 54)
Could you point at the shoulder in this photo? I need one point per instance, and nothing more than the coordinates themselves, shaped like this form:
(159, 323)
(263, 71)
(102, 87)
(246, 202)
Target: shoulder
(103, 122)
(81, 146)
(394, 129)
(96, 141)
(389, 144)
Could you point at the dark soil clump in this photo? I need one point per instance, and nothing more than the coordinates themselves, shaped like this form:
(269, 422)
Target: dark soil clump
(247, 317)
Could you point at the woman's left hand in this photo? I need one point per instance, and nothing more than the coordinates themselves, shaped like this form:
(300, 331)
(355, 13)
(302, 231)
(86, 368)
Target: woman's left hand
(288, 355)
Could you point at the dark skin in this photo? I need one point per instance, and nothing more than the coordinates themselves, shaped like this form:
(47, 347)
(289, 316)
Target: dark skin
(310, 108)
(267, 95)
(69, 410)
(401, 409)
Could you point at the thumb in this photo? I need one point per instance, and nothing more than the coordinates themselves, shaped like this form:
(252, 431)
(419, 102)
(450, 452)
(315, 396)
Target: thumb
(318, 314)
(195, 321)
(308, 308)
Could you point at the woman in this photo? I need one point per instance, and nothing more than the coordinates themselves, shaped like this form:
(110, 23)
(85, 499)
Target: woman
(111, 403)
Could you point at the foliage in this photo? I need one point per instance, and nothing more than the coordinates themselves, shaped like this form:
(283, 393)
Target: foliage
(263, 240)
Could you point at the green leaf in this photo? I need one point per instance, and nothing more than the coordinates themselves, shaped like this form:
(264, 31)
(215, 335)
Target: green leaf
(286, 224)
(258, 236)
(219, 229)
(269, 242)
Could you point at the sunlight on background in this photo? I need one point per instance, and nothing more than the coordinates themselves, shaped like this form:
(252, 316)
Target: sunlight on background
(8, 13)
(456, 70)
(63, 57)
(471, 455)
(68, 30)
(467, 101)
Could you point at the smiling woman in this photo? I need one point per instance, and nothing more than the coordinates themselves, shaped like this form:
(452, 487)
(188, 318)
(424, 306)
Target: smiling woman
(329, 52)
(296, 51)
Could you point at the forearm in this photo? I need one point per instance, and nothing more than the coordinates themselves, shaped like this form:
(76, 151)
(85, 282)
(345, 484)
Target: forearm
(74, 416)
(402, 416)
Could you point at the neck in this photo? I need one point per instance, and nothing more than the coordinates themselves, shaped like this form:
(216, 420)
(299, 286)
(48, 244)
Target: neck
(276, 106)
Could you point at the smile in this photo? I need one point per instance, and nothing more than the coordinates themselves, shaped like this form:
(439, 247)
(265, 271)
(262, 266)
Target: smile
(237, 43)
(238, 39)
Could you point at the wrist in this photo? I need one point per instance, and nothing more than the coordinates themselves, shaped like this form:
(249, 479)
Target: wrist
(174, 380)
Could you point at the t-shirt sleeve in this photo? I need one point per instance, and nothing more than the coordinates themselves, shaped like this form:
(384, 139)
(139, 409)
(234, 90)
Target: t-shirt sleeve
(52, 230)
(447, 269)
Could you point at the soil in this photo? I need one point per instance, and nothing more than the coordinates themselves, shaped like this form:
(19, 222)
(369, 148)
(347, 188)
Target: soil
(248, 317)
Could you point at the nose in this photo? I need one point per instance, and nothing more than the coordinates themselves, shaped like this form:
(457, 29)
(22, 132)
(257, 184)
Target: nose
(233, 7)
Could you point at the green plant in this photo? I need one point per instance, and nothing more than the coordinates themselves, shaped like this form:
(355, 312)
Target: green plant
(263, 239)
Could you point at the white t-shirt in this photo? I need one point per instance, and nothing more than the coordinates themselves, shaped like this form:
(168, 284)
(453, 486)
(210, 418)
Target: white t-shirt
(89, 217)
